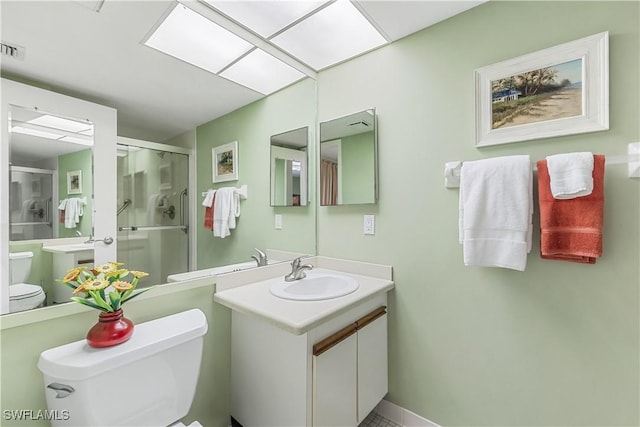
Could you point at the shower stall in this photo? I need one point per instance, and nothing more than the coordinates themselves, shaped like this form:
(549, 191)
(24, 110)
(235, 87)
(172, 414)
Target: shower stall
(31, 203)
(153, 209)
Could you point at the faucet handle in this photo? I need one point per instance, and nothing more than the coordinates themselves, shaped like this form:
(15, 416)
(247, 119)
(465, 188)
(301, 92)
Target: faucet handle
(295, 264)
(261, 254)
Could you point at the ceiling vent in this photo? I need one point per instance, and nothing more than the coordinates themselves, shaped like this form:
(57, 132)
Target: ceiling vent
(12, 50)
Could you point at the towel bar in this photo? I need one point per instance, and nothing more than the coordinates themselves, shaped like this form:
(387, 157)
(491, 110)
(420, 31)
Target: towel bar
(632, 159)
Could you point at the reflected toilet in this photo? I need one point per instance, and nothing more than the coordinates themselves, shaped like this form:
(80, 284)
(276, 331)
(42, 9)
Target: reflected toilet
(23, 296)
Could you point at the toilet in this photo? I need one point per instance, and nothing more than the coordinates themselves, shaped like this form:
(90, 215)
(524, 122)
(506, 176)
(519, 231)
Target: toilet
(149, 380)
(23, 296)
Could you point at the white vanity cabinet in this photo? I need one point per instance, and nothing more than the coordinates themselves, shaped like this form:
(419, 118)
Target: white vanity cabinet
(350, 371)
(332, 375)
(66, 257)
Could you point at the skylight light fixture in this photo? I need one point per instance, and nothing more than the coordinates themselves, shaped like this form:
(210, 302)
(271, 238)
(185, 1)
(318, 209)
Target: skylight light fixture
(190, 37)
(334, 34)
(262, 72)
(265, 17)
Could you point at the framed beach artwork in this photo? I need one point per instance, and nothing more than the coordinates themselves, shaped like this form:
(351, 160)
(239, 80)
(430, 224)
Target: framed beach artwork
(74, 182)
(225, 162)
(561, 90)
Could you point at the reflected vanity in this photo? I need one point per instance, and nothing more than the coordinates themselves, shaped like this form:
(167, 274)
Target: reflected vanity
(348, 160)
(289, 168)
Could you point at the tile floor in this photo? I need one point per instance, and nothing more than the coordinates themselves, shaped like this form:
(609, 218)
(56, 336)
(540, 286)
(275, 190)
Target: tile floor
(376, 420)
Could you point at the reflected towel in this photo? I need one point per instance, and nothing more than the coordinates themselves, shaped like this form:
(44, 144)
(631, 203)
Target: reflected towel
(226, 208)
(571, 174)
(496, 207)
(208, 214)
(571, 230)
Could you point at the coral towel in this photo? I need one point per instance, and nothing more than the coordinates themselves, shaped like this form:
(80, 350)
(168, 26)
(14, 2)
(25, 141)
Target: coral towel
(496, 207)
(571, 230)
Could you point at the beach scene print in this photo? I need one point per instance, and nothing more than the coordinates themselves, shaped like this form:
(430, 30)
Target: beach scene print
(225, 162)
(547, 93)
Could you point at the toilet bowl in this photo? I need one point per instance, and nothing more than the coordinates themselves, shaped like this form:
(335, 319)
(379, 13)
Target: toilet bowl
(149, 380)
(24, 296)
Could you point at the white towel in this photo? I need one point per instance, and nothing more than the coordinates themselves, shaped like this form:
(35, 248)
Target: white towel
(208, 198)
(226, 208)
(571, 175)
(73, 209)
(496, 208)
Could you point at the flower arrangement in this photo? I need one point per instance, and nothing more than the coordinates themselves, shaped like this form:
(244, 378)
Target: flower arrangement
(104, 286)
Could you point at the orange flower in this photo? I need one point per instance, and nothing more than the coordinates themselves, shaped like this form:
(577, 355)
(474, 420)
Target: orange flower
(95, 284)
(139, 274)
(73, 274)
(121, 285)
(79, 289)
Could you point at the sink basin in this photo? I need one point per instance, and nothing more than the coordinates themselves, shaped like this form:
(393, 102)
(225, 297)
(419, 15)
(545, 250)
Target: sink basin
(70, 248)
(315, 287)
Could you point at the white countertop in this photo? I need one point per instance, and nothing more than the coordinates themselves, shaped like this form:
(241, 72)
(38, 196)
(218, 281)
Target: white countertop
(297, 317)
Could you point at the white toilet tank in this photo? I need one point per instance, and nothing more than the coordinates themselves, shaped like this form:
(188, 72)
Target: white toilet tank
(20, 266)
(150, 380)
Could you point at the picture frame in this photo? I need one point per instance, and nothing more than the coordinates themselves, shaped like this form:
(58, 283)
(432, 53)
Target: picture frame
(165, 176)
(562, 90)
(74, 182)
(225, 163)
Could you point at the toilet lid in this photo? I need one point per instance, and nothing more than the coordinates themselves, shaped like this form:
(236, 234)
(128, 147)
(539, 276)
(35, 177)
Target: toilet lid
(23, 290)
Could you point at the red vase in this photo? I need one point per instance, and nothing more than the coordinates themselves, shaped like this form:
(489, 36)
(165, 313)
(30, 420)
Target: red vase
(112, 329)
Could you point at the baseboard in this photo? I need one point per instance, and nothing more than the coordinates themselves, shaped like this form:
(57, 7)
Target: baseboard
(402, 416)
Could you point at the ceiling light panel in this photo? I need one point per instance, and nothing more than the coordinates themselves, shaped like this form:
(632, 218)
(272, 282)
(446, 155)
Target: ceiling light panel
(333, 34)
(192, 38)
(266, 18)
(262, 72)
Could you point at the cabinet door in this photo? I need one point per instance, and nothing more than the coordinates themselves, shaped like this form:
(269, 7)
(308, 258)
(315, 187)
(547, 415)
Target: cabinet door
(372, 365)
(334, 385)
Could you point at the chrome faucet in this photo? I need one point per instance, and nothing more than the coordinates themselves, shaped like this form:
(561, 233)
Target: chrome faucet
(78, 233)
(297, 270)
(260, 258)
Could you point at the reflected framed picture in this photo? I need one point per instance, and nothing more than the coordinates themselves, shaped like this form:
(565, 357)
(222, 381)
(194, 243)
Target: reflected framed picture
(74, 182)
(561, 90)
(165, 176)
(225, 162)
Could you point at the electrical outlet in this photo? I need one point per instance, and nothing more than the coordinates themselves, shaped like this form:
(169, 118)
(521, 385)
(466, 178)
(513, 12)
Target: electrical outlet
(278, 222)
(369, 224)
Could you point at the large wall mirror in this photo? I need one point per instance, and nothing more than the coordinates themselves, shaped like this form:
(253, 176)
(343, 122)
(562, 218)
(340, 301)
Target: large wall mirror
(348, 160)
(289, 168)
(47, 204)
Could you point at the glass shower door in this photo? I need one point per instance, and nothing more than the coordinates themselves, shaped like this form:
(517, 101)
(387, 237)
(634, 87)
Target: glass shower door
(153, 212)
(31, 202)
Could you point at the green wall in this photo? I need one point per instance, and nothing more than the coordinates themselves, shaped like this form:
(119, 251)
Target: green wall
(80, 160)
(555, 345)
(253, 126)
(358, 162)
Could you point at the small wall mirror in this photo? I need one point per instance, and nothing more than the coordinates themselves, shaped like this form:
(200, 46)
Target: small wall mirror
(348, 160)
(289, 166)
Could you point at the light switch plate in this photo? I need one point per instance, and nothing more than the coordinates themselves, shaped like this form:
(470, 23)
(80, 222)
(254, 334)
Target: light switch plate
(278, 222)
(369, 224)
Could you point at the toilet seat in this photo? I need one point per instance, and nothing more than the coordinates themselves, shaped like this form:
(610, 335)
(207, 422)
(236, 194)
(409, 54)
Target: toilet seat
(23, 296)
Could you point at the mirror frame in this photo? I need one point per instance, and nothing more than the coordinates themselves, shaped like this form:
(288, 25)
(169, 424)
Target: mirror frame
(105, 134)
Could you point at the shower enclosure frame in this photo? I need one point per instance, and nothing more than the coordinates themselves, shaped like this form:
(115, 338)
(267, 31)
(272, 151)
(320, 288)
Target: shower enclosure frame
(190, 153)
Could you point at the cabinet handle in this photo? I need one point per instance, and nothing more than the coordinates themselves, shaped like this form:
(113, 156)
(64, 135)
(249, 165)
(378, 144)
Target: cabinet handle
(364, 321)
(324, 345)
(85, 261)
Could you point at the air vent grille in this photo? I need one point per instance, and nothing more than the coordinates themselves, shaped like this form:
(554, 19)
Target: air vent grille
(12, 50)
